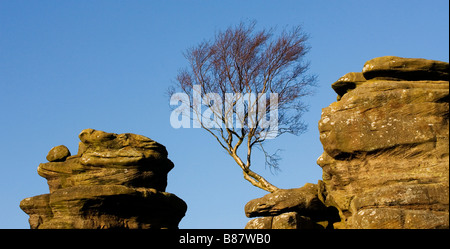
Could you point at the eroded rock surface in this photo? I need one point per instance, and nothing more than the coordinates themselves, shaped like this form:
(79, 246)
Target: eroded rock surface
(115, 181)
(386, 147)
(298, 208)
(386, 154)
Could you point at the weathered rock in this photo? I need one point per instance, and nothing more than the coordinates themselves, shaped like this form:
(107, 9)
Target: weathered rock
(299, 208)
(302, 200)
(115, 181)
(399, 218)
(383, 114)
(107, 206)
(107, 158)
(260, 223)
(58, 154)
(293, 220)
(398, 68)
(38, 208)
(347, 83)
(386, 154)
(288, 220)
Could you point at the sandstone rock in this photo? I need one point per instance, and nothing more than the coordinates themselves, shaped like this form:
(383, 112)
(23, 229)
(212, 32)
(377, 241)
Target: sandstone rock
(38, 208)
(260, 223)
(399, 218)
(293, 220)
(300, 208)
(107, 158)
(58, 154)
(115, 181)
(111, 206)
(383, 114)
(392, 67)
(347, 83)
(302, 200)
(386, 154)
(91, 136)
(288, 220)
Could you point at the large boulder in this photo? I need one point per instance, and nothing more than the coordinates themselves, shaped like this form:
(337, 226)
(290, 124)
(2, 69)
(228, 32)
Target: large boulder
(302, 200)
(298, 208)
(288, 220)
(108, 158)
(115, 181)
(398, 68)
(347, 83)
(386, 154)
(58, 153)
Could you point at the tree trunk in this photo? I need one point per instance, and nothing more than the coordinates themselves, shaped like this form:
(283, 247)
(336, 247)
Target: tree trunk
(258, 181)
(255, 179)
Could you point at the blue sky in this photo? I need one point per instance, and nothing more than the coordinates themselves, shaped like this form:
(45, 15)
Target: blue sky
(70, 65)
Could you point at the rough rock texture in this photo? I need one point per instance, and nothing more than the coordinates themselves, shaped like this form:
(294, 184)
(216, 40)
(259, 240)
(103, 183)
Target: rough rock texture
(304, 199)
(115, 181)
(347, 83)
(58, 154)
(298, 208)
(397, 68)
(386, 153)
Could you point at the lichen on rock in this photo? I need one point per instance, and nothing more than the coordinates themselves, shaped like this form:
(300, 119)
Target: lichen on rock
(386, 147)
(385, 144)
(115, 181)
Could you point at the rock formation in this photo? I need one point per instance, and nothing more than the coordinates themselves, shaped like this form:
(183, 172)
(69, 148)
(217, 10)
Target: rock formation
(297, 208)
(386, 153)
(115, 181)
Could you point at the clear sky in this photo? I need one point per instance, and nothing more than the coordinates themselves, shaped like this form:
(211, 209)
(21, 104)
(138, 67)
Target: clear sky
(70, 65)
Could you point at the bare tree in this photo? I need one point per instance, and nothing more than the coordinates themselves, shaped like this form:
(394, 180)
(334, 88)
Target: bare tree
(234, 75)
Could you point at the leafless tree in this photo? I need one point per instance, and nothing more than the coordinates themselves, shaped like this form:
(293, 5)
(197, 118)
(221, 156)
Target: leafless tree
(248, 63)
